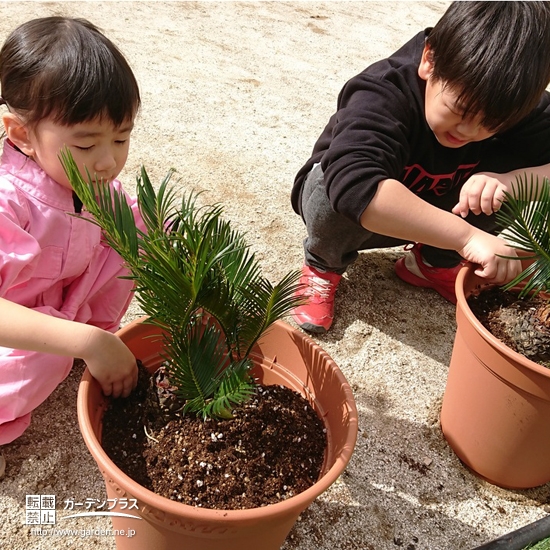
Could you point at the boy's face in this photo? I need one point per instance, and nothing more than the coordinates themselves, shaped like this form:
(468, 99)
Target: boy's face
(444, 116)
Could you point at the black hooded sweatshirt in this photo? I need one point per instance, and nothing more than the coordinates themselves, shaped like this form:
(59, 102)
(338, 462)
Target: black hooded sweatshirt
(379, 131)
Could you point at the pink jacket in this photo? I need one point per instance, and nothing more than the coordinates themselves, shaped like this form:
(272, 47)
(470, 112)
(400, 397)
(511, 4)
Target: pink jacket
(56, 263)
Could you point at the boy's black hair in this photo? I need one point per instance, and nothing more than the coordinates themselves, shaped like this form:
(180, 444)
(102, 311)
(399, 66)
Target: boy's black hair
(67, 70)
(495, 56)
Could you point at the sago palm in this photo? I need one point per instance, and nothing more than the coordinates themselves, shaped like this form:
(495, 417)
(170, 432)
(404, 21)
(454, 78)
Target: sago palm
(196, 278)
(526, 215)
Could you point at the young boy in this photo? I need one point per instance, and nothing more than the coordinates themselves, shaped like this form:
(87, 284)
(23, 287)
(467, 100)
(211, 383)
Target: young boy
(421, 150)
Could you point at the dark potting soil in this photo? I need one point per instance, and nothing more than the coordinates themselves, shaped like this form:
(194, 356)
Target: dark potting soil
(486, 306)
(272, 449)
(507, 317)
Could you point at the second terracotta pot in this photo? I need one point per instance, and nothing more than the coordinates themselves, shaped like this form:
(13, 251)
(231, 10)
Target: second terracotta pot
(496, 406)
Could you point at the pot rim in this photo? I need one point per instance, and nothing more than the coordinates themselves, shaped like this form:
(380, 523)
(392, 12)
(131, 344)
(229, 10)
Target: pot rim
(462, 304)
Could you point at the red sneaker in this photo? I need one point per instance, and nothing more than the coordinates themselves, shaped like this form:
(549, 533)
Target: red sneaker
(414, 270)
(319, 286)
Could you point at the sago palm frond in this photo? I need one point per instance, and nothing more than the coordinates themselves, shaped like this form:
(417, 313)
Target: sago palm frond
(196, 278)
(262, 304)
(235, 387)
(190, 346)
(155, 208)
(110, 213)
(525, 214)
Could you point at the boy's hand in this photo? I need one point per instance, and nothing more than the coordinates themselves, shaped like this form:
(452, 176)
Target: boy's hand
(482, 193)
(111, 363)
(485, 250)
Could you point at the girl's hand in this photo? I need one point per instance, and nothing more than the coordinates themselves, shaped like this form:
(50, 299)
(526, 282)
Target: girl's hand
(482, 193)
(111, 363)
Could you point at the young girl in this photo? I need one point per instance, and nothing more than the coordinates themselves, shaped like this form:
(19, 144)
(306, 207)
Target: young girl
(64, 85)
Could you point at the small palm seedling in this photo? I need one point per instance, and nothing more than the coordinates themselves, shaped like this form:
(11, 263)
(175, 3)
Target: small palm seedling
(197, 280)
(525, 214)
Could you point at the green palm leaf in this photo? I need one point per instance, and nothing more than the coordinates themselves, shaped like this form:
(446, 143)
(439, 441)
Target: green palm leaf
(262, 304)
(526, 215)
(236, 386)
(198, 359)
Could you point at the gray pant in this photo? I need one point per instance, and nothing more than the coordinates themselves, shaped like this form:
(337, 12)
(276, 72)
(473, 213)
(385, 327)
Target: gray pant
(333, 240)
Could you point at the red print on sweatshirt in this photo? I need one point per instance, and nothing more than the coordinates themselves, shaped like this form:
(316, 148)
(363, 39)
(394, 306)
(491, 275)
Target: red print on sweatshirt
(418, 180)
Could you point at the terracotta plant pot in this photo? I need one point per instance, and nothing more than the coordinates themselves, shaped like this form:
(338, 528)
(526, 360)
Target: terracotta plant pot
(283, 356)
(496, 406)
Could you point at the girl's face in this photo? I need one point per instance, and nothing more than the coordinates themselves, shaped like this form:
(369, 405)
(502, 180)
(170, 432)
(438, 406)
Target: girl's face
(97, 146)
(444, 116)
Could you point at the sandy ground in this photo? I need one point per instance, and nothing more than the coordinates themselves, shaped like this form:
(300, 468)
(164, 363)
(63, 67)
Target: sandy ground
(234, 96)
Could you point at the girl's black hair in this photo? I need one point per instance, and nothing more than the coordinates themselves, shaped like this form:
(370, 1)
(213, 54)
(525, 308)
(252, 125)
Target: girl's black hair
(67, 70)
(495, 56)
